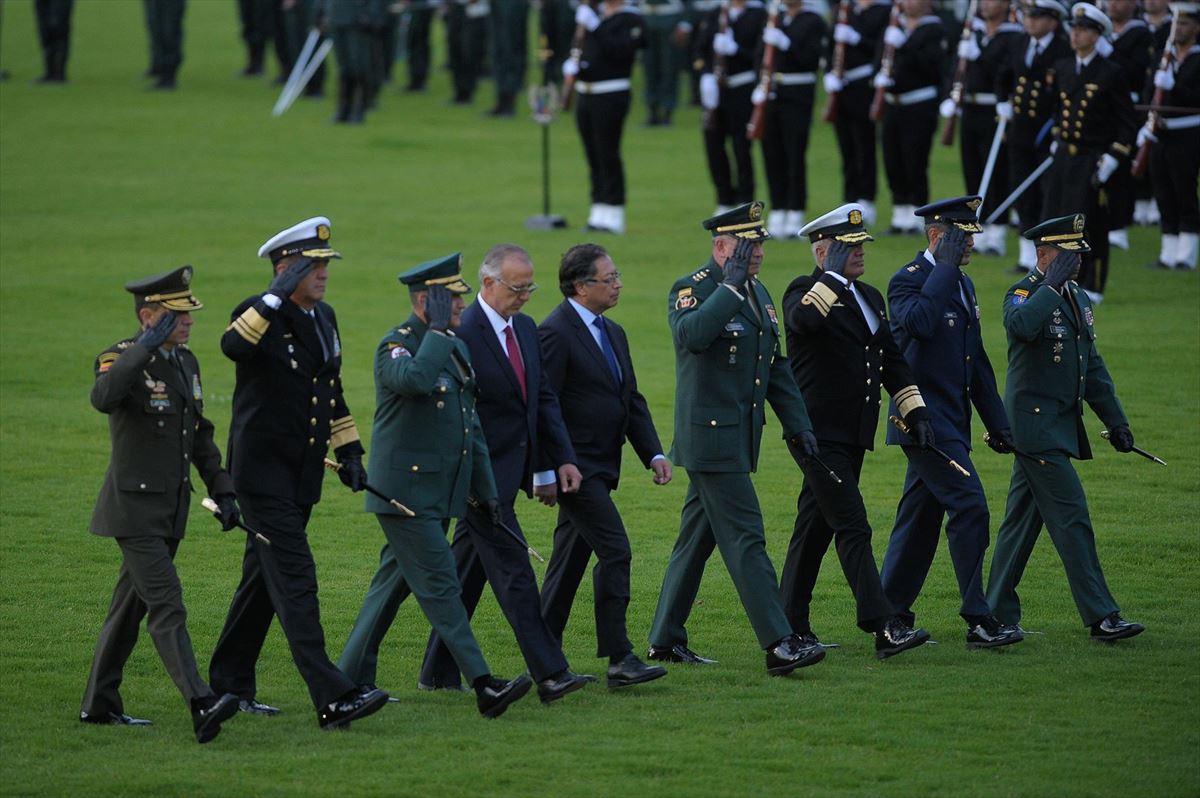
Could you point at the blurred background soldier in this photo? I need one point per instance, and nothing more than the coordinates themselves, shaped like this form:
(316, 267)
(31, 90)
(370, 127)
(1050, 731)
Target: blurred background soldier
(1023, 93)
(910, 114)
(417, 28)
(54, 33)
(666, 37)
(509, 39)
(798, 40)
(466, 35)
(164, 25)
(355, 26)
(556, 28)
(1158, 15)
(262, 22)
(298, 22)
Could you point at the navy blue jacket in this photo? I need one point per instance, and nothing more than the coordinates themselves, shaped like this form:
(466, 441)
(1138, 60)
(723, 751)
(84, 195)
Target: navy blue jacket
(940, 338)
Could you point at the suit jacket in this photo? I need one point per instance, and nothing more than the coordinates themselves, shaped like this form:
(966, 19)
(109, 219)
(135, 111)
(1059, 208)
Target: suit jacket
(513, 427)
(839, 364)
(1053, 368)
(727, 367)
(288, 407)
(158, 430)
(598, 413)
(427, 446)
(940, 338)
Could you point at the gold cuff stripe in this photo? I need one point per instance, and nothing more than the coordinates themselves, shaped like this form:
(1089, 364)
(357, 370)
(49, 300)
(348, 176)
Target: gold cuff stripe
(908, 399)
(239, 326)
(250, 325)
(342, 432)
(1123, 149)
(822, 296)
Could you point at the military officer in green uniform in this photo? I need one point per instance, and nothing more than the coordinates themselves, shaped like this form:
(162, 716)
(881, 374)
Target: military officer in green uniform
(164, 24)
(429, 454)
(1053, 368)
(727, 367)
(355, 26)
(149, 387)
(666, 34)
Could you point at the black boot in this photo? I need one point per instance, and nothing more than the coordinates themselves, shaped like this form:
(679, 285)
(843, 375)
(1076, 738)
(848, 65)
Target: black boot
(358, 102)
(345, 92)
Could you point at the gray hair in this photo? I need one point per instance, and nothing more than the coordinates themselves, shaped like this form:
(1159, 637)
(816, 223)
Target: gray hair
(495, 258)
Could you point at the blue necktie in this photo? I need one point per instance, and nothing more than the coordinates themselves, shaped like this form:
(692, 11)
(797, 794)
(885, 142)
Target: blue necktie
(606, 348)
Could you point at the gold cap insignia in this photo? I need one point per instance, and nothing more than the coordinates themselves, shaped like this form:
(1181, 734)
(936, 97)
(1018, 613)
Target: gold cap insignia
(323, 232)
(187, 276)
(855, 216)
(756, 211)
(1079, 223)
(974, 204)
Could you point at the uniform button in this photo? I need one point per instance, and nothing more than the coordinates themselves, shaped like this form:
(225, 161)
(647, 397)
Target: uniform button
(185, 480)
(712, 423)
(1037, 409)
(331, 383)
(878, 401)
(735, 334)
(440, 405)
(311, 441)
(312, 421)
(142, 486)
(466, 431)
(464, 451)
(755, 405)
(760, 357)
(757, 381)
(187, 456)
(162, 423)
(866, 349)
(326, 441)
(416, 468)
(332, 403)
(185, 433)
(314, 380)
(314, 400)
(968, 358)
(160, 409)
(868, 380)
(733, 347)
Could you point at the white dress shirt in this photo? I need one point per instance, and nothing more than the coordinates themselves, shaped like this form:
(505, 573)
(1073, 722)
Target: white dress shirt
(868, 312)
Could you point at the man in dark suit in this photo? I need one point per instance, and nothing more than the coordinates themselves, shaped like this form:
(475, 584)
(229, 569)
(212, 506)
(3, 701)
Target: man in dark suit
(523, 426)
(841, 351)
(587, 363)
(149, 387)
(288, 411)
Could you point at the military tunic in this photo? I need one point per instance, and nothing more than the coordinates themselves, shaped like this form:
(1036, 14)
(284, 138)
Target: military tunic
(1053, 368)
(979, 112)
(856, 134)
(727, 367)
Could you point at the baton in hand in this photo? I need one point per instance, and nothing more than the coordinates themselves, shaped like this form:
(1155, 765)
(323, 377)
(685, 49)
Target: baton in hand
(334, 466)
(987, 437)
(822, 464)
(899, 424)
(508, 530)
(1139, 450)
(211, 506)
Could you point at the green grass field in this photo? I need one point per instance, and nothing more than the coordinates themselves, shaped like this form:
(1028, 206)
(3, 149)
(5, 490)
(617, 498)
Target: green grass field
(102, 181)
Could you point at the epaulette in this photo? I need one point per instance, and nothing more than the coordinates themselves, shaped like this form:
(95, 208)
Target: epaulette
(700, 275)
(916, 267)
(404, 330)
(1033, 276)
(124, 344)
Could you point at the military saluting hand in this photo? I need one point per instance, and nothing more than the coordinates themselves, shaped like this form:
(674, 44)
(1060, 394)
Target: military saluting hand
(437, 307)
(1061, 268)
(152, 336)
(286, 282)
(737, 266)
(950, 247)
(836, 258)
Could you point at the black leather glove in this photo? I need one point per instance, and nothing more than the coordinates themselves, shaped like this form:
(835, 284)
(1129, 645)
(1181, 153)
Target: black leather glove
(285, 283)
(227, 511)
(950, 247)
(352, 474)
(737, 267)
(1001, 442)
(152, 337)
(437, 308)
(1121, 438)
(494, 511)
(922, 433)
(836, 258)
(806, 442)
(1061, 268)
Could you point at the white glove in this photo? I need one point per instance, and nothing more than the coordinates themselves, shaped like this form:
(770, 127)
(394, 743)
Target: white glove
(1004, 110)
(1054, 146)
(585, 16)
(758, 96)
(969, 49)
(1104, 47)
(833, 84)
(947, 108)
(776, 38)
(883, 81)
(1146, 134)
(570, 67)
(1106, 167)
(710, 92)
(846, 35)
(724, 44)
(1164, 79)
(894, 37)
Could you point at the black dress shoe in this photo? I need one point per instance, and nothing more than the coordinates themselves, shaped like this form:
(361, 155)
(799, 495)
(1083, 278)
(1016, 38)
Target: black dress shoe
(897, 637)
(498, 695)
(112, 719)
(790, 653)
(559, 685)
(358, 703)
(1114, 627)
(207, 721)
(631, 670)
(255, 707)
(678, 653)
(990, 633)
(810, 638)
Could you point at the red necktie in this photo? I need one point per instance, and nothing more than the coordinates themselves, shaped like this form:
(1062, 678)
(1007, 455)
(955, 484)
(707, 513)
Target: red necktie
(514, 357)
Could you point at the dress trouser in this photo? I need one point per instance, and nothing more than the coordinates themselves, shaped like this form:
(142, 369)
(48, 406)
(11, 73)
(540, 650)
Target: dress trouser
(600, 119)
(164, 23)
(720, 510)
(1048, 493)
(510, 44)
(420, 24)
(1174, 169)
(787, 121)
(856, 142)
(729, 123)
(416, 559)
(825, 511)
(466, 37)
(931, 491)
(54, 33)
(484, 553)
(908, 132)
(588, 522)
(978, 128)
(661, 61)
(146, 583)
(277, 580)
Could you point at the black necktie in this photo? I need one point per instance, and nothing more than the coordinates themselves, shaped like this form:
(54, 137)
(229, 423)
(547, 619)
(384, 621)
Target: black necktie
(320, 335)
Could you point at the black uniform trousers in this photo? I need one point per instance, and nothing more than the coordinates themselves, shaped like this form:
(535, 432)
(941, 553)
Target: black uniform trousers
(786, 126)
(825, 511)
(1069, 189)
(856, 142)
(484, 553)
(466, 39)
(1174, 169)
(54, 33)
(931, 491)
(146, 583)
(729, 122)
(277, 580)
(1023, 158)
(908, 132)
(978, 128)
(600, 119)
(164, 23)
(420, 23)
(588, 522)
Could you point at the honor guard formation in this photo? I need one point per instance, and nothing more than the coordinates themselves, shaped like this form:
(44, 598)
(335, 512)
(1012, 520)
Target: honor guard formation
(476, 403)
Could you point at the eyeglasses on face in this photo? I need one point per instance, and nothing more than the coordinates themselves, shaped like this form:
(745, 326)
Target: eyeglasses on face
(610, 280)
(518, 289)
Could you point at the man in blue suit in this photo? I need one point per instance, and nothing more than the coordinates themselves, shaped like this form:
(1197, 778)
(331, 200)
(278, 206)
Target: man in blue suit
(587, 363)
(523, 426)
(935, 320)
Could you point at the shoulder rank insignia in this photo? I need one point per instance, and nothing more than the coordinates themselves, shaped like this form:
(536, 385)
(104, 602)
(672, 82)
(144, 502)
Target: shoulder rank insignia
(124, 345)
(404, 330)
(1088, 317)
(685, 300)
(700, 275)
(916, 267)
